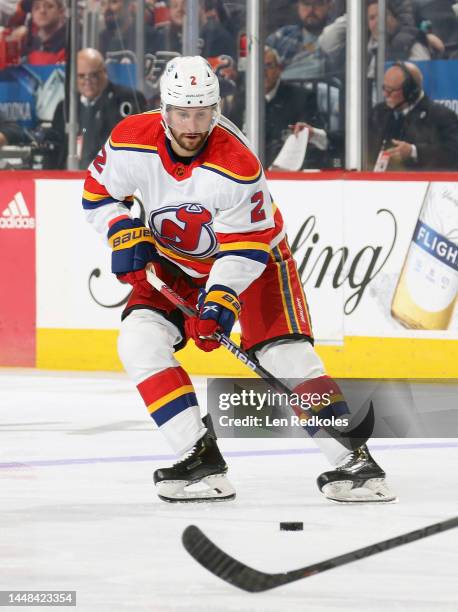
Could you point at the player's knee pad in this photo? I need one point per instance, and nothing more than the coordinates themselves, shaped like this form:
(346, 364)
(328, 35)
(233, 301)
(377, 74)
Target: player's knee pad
(145, 344)
(291, 359)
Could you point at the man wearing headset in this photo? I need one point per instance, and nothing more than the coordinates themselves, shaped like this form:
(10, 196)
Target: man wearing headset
(217, 238)
(408, 130)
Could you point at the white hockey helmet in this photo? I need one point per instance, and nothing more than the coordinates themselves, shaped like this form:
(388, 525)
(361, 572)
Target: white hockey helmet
(189, 82)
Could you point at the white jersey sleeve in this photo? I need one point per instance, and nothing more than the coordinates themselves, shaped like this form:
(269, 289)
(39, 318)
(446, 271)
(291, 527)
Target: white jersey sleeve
(108, 187)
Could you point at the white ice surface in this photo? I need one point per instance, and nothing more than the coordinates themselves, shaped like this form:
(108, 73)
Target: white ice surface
(78, 511)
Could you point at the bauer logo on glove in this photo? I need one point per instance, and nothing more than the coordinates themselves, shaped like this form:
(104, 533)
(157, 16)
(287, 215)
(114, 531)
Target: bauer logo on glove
(133, 248)
(125, 239)
(132, 244)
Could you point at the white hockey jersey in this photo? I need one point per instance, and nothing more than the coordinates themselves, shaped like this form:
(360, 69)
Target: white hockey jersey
(213, 217)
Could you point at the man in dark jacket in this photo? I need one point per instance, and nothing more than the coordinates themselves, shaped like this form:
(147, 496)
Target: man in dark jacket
(415, 132)
(286, 105)
(101, 106)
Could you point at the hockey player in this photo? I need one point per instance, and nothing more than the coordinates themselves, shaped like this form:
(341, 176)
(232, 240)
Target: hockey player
(215, 236)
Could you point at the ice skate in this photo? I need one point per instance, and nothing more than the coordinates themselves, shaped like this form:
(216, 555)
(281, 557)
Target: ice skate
(358, 479)
(200, 476)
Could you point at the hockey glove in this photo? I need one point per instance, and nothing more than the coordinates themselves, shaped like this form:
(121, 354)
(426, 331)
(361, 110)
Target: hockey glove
(219, 309)
(133, 247)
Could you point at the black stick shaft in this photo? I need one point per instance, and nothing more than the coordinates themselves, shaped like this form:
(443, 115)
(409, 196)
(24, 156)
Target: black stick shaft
(372, 549)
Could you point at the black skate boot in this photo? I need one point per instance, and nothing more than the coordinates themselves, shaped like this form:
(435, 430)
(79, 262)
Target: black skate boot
(358, 479)
(203, 464)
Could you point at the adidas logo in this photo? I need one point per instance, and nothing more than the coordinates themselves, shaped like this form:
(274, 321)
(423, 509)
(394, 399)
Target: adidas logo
(16, 215)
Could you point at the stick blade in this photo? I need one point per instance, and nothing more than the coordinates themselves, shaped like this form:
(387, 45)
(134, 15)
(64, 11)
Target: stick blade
(226, 567)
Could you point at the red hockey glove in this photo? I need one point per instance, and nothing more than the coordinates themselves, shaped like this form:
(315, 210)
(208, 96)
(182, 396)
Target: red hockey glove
(218, 311)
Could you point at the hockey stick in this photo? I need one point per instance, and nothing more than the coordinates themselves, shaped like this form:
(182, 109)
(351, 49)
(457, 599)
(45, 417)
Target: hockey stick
(248, 579)
(351, 439)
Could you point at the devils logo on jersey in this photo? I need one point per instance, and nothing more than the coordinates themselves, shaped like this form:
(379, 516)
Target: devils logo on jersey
(184, 228)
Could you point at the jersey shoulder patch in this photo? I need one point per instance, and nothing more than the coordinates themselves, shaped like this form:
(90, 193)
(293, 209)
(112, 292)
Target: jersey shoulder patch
(228, 156)
(137, 133)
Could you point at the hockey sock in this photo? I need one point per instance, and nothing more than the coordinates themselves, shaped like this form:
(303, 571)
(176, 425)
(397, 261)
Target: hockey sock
(172, 403)
(322, 397)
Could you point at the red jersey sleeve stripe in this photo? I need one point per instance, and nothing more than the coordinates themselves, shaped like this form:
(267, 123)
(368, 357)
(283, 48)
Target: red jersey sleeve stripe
(264, 237)
(93, 186)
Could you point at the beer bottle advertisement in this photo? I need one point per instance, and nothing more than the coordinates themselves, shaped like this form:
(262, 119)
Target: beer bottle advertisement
(425, 295)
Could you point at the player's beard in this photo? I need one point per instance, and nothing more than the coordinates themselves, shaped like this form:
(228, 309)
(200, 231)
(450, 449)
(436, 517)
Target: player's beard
(186, 144)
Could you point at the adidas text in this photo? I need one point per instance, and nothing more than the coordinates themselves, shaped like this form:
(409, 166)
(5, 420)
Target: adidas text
(17, 223)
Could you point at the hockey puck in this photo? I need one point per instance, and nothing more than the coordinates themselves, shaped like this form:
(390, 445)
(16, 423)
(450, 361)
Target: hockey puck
(291, 526)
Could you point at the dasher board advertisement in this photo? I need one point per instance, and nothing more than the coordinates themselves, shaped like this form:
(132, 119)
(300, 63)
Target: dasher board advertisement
(379, 258)
(356, 243)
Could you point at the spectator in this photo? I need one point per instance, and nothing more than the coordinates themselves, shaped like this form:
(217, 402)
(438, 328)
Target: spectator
(406, 33)
(416, 51)
(415, 132)
(298, 45)
(120, 29)
(46, 39)
(10, 132)
(101, 105)
(287, 104)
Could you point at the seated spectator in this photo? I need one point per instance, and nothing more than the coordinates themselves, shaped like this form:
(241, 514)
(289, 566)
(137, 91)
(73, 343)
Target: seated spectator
(416, 51)
(10, 132)
(286, 105)
(298, 45)
(120, 32)
(46, 39)
(414, 132)
(101, 105)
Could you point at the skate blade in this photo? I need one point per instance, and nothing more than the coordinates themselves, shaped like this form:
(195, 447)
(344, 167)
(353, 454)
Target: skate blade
(375, 490)
(218, 488)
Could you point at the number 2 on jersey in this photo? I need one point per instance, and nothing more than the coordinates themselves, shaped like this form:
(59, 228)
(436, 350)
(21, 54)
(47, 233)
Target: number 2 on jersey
(100, 160)
(257, 214)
